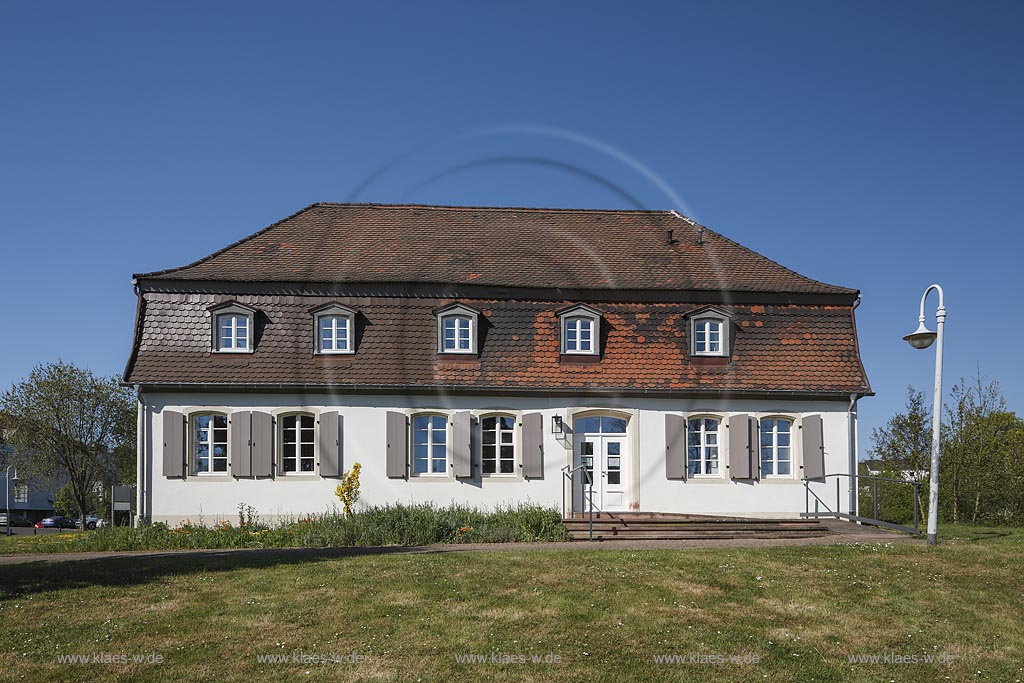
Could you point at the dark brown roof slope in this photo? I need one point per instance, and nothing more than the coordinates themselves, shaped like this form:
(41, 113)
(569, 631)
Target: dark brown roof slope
(801, 348)
(504, 247)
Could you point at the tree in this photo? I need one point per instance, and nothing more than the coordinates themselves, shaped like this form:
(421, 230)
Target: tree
(982, 467)
(67, 425)
(904, 444)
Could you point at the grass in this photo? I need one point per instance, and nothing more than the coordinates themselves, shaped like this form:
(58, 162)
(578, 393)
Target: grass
(607, 614)
(405, 525)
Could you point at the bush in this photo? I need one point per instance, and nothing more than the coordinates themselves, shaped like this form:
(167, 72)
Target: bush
(404, 525)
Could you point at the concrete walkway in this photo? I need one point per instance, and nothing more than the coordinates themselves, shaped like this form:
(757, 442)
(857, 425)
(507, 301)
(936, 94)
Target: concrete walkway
(839, 532)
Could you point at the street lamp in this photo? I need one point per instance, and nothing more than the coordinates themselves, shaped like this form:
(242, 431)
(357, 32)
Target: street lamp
(922, 338)
(7, 476)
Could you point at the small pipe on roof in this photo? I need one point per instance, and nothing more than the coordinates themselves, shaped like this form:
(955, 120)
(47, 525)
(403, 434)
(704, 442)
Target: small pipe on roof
(700, 237)
(671, 239)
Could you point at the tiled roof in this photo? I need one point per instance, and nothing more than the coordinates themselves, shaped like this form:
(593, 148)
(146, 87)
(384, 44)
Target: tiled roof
(504, 247)
(800, 348)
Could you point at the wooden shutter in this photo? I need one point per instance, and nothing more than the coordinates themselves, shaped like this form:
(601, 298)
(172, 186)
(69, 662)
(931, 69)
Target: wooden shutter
(814, 447)
(742, 464)
(174, 444)
(329, 446)
(461, 446)
(262, 444)
(675, 447)
(533, 446)
(241, 443)
(397, 456)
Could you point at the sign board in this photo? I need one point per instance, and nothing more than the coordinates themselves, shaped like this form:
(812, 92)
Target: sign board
(121, 497)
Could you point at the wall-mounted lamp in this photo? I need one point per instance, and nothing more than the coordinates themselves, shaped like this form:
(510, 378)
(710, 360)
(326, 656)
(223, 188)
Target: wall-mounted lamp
(556, 424)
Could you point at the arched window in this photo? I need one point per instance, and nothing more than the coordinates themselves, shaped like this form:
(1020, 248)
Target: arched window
(232, 327)
(298, 443)
(335, 329)
(498, 448)
(580, 331)
(702, 446)
(776, 449)
(429, 444)
(209, 443)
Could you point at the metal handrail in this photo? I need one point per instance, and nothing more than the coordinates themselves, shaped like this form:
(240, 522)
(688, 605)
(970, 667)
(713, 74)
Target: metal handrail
(838, 514)
(571, 475)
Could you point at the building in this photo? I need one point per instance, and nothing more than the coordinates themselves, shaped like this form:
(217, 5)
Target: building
(492, 355)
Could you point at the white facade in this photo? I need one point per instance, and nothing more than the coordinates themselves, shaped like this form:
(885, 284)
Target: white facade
(642, 480)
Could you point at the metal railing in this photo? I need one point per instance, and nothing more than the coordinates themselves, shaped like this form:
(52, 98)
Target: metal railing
(874, 520)
(586, 489)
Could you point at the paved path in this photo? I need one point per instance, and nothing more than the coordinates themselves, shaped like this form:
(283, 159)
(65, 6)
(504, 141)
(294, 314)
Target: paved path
(840, 532)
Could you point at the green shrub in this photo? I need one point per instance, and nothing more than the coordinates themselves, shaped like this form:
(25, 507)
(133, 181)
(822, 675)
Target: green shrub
(404, 525)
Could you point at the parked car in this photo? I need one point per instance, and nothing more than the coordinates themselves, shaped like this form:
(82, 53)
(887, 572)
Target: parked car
(57, 522)
(90, 521)
(16, 520)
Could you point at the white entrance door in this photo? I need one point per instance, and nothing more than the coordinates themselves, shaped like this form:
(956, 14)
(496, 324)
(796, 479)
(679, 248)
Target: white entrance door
(604, 455)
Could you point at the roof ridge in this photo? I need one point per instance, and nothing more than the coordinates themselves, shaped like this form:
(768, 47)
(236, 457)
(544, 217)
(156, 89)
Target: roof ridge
(453, 207)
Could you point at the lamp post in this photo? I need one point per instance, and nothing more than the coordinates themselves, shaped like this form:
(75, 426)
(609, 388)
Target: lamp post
(922, 338)
(7, 476)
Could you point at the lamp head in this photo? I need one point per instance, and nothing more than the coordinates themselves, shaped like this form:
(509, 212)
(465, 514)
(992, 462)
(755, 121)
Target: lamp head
(921, 338)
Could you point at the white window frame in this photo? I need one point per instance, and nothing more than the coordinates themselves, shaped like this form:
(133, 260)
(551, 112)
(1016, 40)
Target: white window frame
(210, 443)
(19, 494)
(704, 446)
(298, 472)
(236, 311)
(337, 312)
(514, 431)
(775, 446)
(431, 430)
(576, 315)
(457, 312)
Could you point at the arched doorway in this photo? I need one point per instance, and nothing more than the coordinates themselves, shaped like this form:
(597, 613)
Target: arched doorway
(601, 447)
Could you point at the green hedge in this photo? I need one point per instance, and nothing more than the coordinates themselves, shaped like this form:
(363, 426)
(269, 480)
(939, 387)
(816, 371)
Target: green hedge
(404, 525)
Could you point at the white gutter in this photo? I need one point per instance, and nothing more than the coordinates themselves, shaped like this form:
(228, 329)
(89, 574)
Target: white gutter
(140, 459)
(851, 419)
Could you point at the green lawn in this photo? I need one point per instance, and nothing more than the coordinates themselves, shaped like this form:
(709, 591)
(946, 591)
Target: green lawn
(607, 614)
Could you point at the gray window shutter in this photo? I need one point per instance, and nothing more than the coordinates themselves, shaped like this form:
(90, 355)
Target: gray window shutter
(675, 447)
(742, 464)
(241, 444)
(262, 444)
(461, 446)
(330, 444)
(814, 447)
(533, 446)
(397, 434)
(174, 444)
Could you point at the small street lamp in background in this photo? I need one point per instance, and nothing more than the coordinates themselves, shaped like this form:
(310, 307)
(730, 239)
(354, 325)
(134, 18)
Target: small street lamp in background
(922, 338)
(8, 498)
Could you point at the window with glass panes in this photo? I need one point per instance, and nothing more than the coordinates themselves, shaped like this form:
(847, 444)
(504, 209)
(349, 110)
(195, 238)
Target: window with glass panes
(232, 332)
(498, 445)
(776, 452)
(298, 450)
(579, 335)
(335, 334)
(456, 330)
(707, 336)
(429, 444)
(702, 444)
(210, 443)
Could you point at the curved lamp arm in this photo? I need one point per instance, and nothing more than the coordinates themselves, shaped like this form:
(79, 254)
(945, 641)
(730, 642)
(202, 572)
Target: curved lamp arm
(941, 311)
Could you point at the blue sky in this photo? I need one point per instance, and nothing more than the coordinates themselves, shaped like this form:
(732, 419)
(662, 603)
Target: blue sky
(873, 145)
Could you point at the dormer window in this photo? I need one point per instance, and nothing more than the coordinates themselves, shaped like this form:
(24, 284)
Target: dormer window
(232, 327)
(335, 329)
(457, 329)
(709, 332)
(580, 331)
